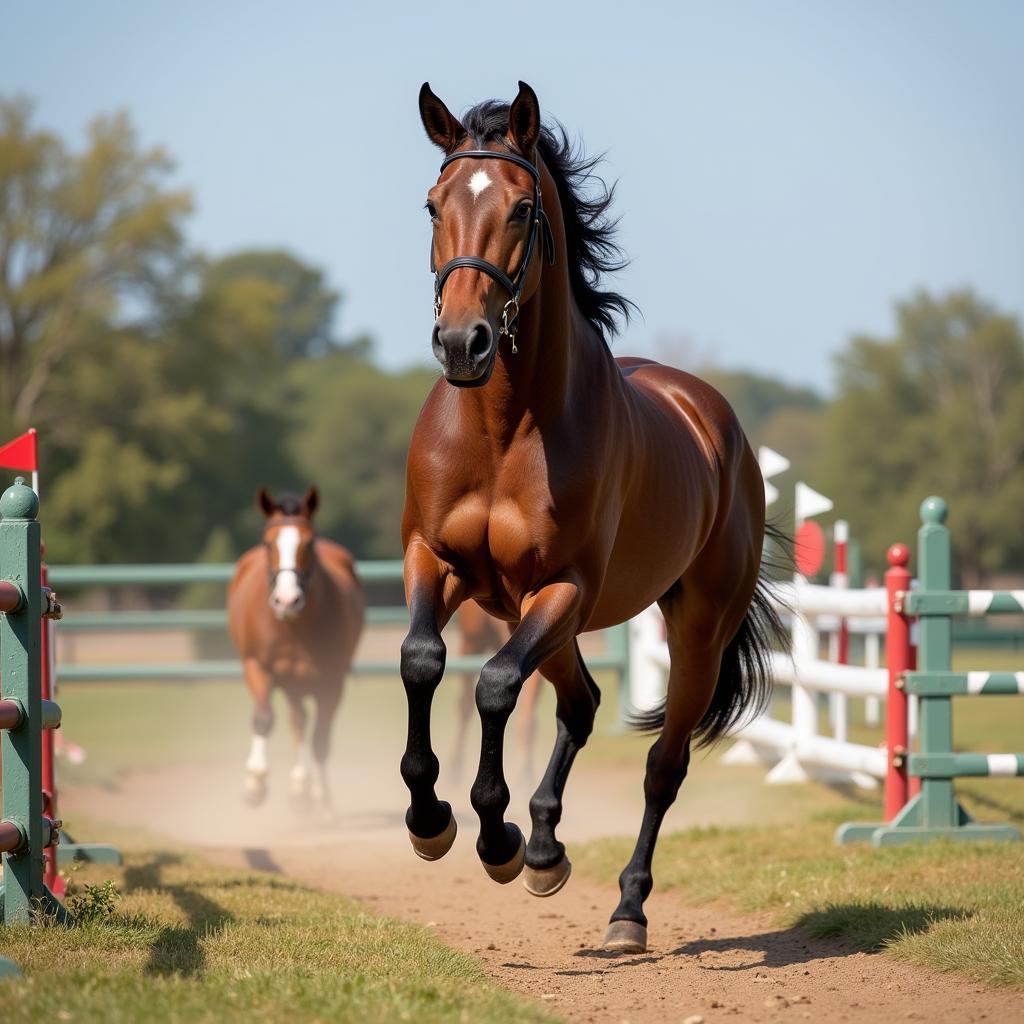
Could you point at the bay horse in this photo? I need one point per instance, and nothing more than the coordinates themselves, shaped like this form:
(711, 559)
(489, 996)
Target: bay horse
(295, 613)
(480, 634)
(564, 490)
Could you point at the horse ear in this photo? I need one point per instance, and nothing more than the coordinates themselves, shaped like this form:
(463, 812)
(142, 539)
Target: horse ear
(266, 503)
(524, 120)
(443, 128)
(310, 502)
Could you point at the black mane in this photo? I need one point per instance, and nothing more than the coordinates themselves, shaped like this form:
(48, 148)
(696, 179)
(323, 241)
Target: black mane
(590, 234)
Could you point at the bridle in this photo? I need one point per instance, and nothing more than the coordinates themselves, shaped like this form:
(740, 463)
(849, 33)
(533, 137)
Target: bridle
(513, 285)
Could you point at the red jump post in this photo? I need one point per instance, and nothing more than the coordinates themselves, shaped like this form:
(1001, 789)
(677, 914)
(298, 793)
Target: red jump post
(898, 660)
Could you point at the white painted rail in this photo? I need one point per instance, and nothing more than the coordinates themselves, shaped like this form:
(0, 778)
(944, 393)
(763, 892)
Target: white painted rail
(795, 750)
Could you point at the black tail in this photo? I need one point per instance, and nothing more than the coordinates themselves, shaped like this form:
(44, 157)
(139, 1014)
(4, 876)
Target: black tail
(745, 680)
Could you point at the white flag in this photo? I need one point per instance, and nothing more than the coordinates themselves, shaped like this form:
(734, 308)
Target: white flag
(771, 462)
(810, 503)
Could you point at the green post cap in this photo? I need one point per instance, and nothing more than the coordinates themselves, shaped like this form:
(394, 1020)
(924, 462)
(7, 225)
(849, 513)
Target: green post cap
(934, 510)
(19, 501)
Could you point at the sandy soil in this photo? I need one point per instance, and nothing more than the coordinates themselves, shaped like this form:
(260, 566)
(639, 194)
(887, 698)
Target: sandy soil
(705, 961)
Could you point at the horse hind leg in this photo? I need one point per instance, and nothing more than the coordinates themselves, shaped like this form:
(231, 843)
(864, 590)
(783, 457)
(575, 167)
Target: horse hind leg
(698, 634)
(465, 713)
(547, 866)
(326, 707)
(526, 723)
(299, 780)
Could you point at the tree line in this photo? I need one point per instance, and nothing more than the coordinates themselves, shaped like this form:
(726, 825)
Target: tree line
(168, 385)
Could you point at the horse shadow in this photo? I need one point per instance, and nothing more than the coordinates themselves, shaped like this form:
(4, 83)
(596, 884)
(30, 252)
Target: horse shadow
(814, 936)
(177, 949)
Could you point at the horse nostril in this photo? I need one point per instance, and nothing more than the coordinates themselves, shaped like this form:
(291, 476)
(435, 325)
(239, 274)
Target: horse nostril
(435, 342)
(480, 341)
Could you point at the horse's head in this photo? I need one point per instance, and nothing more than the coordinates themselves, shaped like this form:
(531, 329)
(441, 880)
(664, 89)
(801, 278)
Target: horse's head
(289, 540)
(490, 234)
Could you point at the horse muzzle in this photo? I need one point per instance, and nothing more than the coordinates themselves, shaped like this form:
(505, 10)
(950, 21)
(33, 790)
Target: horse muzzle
(287, 609)
(466, 354)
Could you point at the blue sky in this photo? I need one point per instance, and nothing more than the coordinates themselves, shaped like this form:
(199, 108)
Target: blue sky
(786, 170)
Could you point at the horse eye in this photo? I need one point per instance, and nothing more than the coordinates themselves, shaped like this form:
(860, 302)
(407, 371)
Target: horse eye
(431, 210)
(523, 211)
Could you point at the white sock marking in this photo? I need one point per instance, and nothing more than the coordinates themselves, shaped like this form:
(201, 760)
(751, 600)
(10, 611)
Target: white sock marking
(257, 763)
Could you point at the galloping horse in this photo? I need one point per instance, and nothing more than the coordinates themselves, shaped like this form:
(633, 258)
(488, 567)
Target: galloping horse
(564, 491)
(295, 613)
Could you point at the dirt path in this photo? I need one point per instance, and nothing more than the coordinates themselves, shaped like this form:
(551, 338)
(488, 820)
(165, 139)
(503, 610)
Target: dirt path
(704, 960)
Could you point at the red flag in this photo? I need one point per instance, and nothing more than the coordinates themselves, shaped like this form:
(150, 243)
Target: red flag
(20, 453)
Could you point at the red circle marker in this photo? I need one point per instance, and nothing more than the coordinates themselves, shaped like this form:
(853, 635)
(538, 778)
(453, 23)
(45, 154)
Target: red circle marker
(810, 548)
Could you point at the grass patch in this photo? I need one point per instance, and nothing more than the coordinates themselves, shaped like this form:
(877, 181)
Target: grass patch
(946, 906)
(187, 941)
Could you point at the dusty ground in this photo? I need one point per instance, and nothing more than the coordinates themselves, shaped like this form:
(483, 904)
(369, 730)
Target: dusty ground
(704, 961)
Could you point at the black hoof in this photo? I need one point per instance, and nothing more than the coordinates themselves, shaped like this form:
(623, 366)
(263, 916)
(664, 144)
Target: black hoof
(626, 937)
(435, 847)
(547, 881)
(511, 869)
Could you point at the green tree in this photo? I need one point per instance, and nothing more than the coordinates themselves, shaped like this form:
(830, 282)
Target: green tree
(936, 409)
(157, 438)
(304, 305)
(354, 425)
(78, 233)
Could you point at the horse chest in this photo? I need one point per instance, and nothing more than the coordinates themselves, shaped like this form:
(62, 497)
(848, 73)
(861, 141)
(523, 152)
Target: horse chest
(494, 535)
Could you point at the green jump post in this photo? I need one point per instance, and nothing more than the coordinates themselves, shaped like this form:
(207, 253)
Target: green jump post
(935, 813)
(24, 831)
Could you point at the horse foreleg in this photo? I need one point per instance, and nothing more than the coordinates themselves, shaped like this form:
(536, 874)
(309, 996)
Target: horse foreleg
(550, 620)
(432, 594)
(547, 867)
(257, 765)
(326, 707)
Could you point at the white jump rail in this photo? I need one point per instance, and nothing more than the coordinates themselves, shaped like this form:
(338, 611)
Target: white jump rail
(795, 750)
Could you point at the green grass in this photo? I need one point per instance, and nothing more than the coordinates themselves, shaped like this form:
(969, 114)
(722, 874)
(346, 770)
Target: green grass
(943, 906)
(188, 942)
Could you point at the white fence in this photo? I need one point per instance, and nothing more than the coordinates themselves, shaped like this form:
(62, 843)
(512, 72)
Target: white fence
(796, 750)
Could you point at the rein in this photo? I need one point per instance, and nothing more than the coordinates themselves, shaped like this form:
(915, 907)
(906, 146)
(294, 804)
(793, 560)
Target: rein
(514, 286)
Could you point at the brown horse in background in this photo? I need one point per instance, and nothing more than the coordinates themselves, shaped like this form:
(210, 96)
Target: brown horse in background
(295, 613)
(480, 634)
(564, 490)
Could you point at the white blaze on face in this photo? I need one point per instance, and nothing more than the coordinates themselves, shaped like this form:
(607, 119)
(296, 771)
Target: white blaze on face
(478, 183)
(286, 586)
